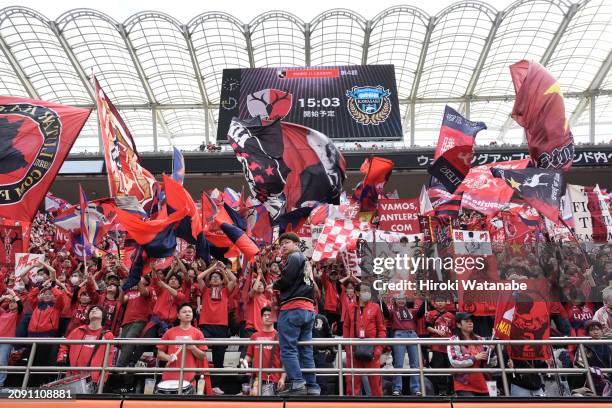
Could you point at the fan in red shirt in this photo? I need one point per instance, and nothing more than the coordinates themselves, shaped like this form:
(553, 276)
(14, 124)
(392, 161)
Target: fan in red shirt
(169, 296)
(257, 301)
(86, 295)
(271, 353)
(216, 282)
(348, 296)
(195, 355)
(87, 355)
(9, 317)
(111, 303)
(331, 303)
(364, 320)
(137, 305)
(440, 323)
(48, 304)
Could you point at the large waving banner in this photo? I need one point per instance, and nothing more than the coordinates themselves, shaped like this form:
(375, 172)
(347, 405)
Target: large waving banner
(35, 138)
(539, 108)
(126, 177)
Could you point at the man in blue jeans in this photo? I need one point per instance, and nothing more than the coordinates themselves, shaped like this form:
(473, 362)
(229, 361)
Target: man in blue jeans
(296, 318)
(403, 324)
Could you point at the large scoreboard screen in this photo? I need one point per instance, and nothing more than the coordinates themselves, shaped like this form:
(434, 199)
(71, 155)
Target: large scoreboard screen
(343, 102)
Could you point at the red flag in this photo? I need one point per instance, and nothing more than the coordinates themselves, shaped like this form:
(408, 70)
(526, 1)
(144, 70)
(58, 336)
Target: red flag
(484, 193)
(540, 109)
(531, 321)
(503, 320)
(157, 236)
(126, 177)
(177, 197)
(36, 138)
(456, 131)
(377, 173)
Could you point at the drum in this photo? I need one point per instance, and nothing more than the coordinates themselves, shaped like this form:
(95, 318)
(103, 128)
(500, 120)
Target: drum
(171, 387)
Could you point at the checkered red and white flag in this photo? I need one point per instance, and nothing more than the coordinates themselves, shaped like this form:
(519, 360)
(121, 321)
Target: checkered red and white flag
(337, 235)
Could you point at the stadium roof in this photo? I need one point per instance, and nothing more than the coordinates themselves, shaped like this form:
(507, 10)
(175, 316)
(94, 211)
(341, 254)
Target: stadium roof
(164, 75)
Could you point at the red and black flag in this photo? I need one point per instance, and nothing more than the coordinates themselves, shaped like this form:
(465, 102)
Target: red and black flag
(377, 172)
(157, 236)
(222, 229)
(35, 138)
(448, 207)
(190, 227)
(456, 131)
(540, 109)
(452, 166)
(540, 188)
(287, 165)
(455, 150)
(484, 193)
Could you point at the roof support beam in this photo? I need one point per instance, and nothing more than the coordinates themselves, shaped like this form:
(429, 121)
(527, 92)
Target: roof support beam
(249, 44)
(79, 70)
(418, 73)
(598, 79)
(198, 73)
(482, 59)
(559, 34)
(308, 48)
(74, 61)
(546, 56)
(23, 78)
(366, 42)
(143, 79)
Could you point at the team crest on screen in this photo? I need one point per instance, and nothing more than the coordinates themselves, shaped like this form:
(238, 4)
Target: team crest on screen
(369, 105)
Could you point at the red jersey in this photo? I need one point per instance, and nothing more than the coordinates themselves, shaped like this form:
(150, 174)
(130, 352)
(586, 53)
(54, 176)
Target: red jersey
(176, 333)
(445, 322)
(404, 318)
(253, 311)
(345, 302)
(137, 306)
(79, 355)
(215, 306)
(332, 299)
(269, 360)
(112, 309)
(8, 322)
(166, 304)
(79, 317)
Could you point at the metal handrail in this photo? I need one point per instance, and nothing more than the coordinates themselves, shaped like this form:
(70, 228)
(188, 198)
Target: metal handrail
(340, 370)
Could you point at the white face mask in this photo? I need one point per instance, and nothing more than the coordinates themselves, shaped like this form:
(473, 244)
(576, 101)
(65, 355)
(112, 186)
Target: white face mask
(37, 279)
(365, 296)
(19, 287)
(74, 280)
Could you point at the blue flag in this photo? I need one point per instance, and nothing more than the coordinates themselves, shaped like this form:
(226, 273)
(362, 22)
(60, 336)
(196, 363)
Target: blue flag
(178, 166)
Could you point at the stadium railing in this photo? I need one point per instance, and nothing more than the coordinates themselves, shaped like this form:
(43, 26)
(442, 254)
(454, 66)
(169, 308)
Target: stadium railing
(340, 370)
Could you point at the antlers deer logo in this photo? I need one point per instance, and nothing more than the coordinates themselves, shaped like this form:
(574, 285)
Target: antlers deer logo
(269, 103)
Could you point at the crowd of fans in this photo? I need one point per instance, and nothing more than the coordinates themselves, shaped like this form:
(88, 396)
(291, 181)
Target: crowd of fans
(189, 299)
